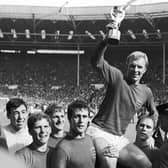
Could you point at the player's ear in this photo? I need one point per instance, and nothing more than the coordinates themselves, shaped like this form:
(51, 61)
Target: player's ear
(50, 130)
(145, 69)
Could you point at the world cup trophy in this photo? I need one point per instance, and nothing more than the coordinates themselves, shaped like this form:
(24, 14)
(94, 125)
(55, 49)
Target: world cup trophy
(113, 33)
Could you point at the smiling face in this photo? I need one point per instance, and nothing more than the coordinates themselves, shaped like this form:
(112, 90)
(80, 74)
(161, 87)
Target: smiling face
(58, 120)
(79, 121)
(145, 128)
(136, 69)
(41, 132)
(18, 117)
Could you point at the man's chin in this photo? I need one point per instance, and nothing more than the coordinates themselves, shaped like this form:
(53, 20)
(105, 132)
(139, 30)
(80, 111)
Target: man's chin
(59, 128)
(134, 80)
(20, 126)
(143, 137)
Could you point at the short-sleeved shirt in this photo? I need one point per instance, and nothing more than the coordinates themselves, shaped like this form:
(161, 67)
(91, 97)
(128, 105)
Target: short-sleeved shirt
(16, 140)
(33, 158)
(52, 142)
(74, 153)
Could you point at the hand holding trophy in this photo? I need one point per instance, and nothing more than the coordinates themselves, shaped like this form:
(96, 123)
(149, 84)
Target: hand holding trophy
(113, 33)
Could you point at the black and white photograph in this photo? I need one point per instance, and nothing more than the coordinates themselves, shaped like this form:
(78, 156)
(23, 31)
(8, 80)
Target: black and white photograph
(84, 84)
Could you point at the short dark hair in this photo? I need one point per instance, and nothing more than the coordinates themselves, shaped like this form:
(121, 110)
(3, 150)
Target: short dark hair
(52, 108)
(77, 104)
(14, 103)
(34, 117)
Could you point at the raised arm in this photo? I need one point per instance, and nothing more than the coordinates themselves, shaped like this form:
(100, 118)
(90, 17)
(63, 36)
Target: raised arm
(98, 56)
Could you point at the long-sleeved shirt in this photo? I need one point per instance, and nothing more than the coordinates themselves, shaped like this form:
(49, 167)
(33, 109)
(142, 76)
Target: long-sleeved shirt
(122, 99)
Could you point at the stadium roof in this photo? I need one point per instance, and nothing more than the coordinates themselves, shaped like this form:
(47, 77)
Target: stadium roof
(78, 9)
(77, 3)
(56, 19)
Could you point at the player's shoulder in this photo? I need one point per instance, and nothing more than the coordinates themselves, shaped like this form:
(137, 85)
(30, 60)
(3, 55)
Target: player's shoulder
(64, 142)
(23, 150)
(9, 161)
(146, 87)
(88, 137)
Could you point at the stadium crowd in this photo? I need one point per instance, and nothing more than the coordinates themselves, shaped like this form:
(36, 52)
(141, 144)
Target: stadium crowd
(37, 135)
(98, 115)
(42, 80)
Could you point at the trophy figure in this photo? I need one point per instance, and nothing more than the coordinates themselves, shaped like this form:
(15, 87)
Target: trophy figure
(113, 33)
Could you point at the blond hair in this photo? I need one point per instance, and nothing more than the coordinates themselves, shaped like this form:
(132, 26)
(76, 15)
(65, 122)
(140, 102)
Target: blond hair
(136, 55)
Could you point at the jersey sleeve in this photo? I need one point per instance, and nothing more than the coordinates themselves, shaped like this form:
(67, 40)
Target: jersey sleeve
(59, 158)
(23, 157)
(110, 73)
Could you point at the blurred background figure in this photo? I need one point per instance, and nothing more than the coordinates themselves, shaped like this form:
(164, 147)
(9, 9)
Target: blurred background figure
(164, 156)
(3, 143)
(37, 108)
(57, 116)
(161, 133)
(7, 160)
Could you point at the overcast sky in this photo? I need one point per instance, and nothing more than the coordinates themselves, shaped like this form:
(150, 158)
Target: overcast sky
(75, 3)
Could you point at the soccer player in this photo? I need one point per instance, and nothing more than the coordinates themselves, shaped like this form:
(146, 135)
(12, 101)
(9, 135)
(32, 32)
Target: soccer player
(16, 133)
(125, 95)
(37, 154)
(144, 131)
(76, 149)
(57, 116)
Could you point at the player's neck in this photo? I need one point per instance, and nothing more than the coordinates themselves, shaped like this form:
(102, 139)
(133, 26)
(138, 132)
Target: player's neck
(77, 135)
(140, 142)
(40, 148)
(58, 134)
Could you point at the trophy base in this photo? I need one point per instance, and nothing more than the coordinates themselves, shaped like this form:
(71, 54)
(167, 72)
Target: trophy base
(113, 36)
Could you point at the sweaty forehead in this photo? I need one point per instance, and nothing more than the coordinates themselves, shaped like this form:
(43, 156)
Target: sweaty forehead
(139, 61)
(135, 58)
(58, 113)
(147, 121)
(81, 111)
(19, 108)
(42, 121)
